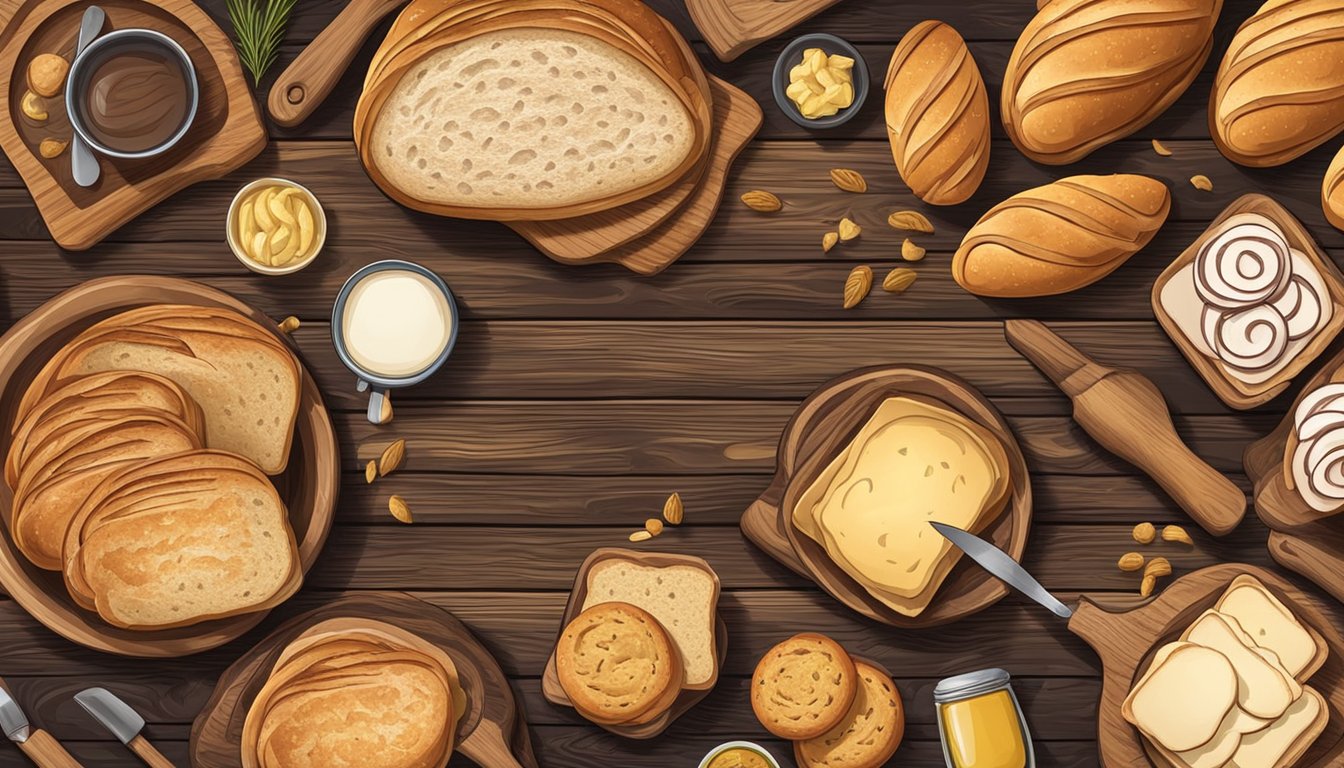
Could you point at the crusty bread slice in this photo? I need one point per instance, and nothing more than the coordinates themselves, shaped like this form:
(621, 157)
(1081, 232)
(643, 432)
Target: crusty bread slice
(1181, 701)
(1272, 626)
(683, 598)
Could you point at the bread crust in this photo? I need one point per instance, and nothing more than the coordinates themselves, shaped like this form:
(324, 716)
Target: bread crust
(618, 665)
(870, 732)
(1332, 191)
(803, 687)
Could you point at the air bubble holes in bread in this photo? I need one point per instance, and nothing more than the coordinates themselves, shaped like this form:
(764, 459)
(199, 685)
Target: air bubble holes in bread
(803, 687)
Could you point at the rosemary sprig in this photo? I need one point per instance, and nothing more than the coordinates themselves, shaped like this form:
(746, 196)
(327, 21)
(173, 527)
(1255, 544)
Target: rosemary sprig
(260, 26)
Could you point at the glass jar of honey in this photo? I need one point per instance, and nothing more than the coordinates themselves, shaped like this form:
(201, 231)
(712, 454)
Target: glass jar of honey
(981, 723)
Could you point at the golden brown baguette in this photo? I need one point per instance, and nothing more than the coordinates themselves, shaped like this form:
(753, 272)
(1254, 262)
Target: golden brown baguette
(1279, 92)
(1062, 236)
(937, 115)
(1085, 73)
(1332, 191)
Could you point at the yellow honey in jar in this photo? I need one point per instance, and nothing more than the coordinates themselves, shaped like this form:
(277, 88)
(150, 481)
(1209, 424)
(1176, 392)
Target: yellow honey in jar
(981, 723)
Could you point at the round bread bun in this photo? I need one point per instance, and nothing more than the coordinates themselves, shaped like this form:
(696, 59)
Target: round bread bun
(870, 732)
(803, 687)
(618, 665)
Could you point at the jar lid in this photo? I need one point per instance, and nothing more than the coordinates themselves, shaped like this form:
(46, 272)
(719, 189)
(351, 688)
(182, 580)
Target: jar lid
(970, 684)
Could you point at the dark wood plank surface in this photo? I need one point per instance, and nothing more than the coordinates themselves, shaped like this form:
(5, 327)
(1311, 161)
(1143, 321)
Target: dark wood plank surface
(579, 398)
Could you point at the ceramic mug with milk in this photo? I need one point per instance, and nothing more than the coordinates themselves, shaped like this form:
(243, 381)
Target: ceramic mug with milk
(393, 325)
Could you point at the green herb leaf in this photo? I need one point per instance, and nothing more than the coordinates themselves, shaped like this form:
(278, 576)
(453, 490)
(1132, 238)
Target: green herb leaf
(259, 26)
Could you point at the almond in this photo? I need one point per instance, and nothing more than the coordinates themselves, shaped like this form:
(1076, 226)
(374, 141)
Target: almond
(673, 512)
(1176, 533)
(1144, 533)
(393, 457)
(1161, 148)
(1201, 182)
(397, 506)
(1147, 586)
(849, 180)
(828, 241)
(52, 148)
(638, 536)
(370, 471)
(857, 285)
(289, 324)
(385, 410)
(910, 251)
(760, 200)
(910, 221)
(33, 108)
(654, 526)
(849, 230)
(898, 279)
(1130, 561)
(1157, 567)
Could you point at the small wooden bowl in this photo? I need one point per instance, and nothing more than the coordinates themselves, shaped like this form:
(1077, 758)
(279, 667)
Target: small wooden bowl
(1234, 393)
(689, 697)
(822, 426)
(492, 732)
(1126, 641)
(309, 484)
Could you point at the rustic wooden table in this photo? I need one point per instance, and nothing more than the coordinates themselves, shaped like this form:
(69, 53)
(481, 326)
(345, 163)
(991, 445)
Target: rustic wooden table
(579, 398)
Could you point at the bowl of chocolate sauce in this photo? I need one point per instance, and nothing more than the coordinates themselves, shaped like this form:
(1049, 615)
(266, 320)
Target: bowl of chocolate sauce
(132, 93)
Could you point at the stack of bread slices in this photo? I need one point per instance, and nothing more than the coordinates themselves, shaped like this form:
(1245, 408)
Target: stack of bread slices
(1232, 691)
(581, 123)
(139, 465)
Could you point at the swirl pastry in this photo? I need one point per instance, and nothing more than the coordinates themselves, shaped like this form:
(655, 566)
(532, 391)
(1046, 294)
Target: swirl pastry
(1317, 462)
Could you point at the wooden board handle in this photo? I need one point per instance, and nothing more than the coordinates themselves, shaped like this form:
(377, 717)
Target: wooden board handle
(487, 746)
(46, 752)
(1056, 358)
(152, 757)
(310, 78)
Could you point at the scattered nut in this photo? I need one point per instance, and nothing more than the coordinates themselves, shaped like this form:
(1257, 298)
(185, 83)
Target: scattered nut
(1161, 148)
(857, 285)
(46, 74)
(910, 251)
(289, 324)
(654, 526)
(397, 506)
(849, 180)
(370, 471)
(1144, 533)
(638, 536)
(33, 108)
(1131, 561)
(1146, 587)
(1201, 182)
(385, 410)
(673, 512)
(828, 241)
(760, 200)
(849, 230)
(1157, 567)
(911, 221)
(51, 148)
(898, 279)
(393, 457)
(1176, 533)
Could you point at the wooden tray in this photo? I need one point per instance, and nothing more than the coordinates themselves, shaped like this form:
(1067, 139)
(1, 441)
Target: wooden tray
(226, 134)
(1126, 642)
(1301, 539)
(731, 27)
(737, 118)
(309, 485)
(821, 427)
(689, 697)
(1235, 393)
(493, 733)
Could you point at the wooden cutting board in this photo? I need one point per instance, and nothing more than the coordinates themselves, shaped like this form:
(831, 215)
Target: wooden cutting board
(226, 134)
(493, 733)
(821, 427)
(731, 27)
(1127, 640)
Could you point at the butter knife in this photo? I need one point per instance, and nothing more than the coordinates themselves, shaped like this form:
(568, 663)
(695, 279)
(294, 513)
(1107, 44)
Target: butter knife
(1002, 567)
(40, 747)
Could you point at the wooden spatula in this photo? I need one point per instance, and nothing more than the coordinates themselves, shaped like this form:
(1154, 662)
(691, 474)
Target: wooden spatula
(1124, 412)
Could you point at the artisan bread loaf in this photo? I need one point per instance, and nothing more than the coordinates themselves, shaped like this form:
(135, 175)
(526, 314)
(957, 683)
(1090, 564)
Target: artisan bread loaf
(937, 115)
(1085, 73)
(1279, 91)
(1062, 236)
(1332, 191)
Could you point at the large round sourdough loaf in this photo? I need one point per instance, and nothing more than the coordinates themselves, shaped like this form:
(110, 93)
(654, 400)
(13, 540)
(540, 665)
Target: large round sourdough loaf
(1060, 237)
(937, 115)
(1279, 92)
(1332, 191)
(1085, 73)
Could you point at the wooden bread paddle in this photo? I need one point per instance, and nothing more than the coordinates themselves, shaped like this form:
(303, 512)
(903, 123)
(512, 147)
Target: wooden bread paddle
(1124, 412)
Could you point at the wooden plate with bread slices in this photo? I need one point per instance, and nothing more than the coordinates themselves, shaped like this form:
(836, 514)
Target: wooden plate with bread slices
(72, 392)
(490, 727)
(687, 612)
(816, 442)
(1295, 631)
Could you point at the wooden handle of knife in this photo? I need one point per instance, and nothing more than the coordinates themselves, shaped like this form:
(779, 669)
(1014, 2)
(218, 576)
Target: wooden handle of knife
(46, 752)
(152, 757)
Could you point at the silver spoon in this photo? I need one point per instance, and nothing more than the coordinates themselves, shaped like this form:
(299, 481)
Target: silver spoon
(83, 163)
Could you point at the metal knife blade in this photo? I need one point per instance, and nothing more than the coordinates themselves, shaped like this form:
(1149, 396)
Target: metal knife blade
(1002, 567)
(84, 165)
(114, 714)
(12, 720)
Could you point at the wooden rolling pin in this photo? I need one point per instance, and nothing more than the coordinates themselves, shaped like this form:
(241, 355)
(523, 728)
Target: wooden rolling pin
(1121, 409)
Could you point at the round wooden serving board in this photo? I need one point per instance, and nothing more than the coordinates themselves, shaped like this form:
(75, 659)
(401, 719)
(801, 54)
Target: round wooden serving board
(821, 427)
(493, 732)
(1127, 640)
(308, 486)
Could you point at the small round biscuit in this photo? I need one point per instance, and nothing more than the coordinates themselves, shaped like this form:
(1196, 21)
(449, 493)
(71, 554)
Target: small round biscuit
(46, 74)
(617, 664)
(803, 687)
(870, 732)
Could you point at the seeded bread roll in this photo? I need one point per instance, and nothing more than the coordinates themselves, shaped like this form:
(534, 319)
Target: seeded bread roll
(937, 115)
(1279, 92)
(1085, 73)
(1060, 237)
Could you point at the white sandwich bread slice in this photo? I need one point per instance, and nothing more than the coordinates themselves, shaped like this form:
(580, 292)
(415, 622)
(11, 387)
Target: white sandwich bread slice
(1272, 626)
(1284, 741)
(1264, 688)
(1182, 700)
